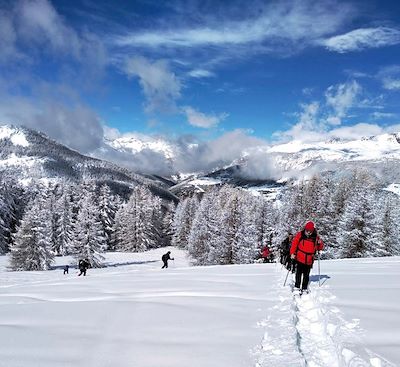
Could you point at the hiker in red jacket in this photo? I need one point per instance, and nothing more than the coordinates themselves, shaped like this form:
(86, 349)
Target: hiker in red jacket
(304, 247)
(265, 252)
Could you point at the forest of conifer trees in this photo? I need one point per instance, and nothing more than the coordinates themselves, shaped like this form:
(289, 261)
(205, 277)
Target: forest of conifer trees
(223, 225)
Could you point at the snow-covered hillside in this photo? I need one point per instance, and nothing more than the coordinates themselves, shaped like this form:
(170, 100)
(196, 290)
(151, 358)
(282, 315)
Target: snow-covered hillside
(27, 155)
(132, 313)
(136, 143)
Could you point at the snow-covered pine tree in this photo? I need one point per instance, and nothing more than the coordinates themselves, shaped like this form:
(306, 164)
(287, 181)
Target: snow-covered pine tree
(134, 226)
(64, 224)
(90, 241)
(205, 236)
(32, 247)
(167, 224)
(389, 234)
(246, 247)
(156, 220)
(231, 217)
(355, 228)
(10, 212)
(107, 209)
(183, 219)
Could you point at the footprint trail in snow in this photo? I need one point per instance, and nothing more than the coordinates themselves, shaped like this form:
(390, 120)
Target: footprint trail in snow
(308, 331)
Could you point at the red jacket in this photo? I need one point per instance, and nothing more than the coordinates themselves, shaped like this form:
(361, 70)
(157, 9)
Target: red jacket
(305, 247)
(265, 252)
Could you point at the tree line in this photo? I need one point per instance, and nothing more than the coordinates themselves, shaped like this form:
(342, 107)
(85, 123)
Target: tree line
(354, 216)
(224, 225)
(83, 220)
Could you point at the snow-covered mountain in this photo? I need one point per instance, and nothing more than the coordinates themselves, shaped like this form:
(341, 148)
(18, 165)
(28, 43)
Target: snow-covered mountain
(135, 143)
(264, 168)
(27, 155)
(298, 155)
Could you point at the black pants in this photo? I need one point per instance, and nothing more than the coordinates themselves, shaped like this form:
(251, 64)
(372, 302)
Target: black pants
(83, 271)
(165, 264)
(302, 270)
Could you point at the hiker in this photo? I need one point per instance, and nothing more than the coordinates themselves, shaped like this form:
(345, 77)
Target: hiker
(304, 246)
(265, 254)
(66, 268)
(165, 259)
(285, 253)
(83, 266)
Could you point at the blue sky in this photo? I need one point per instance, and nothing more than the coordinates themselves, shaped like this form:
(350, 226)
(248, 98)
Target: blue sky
(274, 70)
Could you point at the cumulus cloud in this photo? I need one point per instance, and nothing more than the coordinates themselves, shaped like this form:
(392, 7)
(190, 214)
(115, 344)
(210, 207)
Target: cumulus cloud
(342, 97)
(199, 119)
(77, 127)
(322, 120)
(161, 86)
(363, 38)
(260, 165)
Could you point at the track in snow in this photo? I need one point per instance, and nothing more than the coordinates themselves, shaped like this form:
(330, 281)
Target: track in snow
(308, 331)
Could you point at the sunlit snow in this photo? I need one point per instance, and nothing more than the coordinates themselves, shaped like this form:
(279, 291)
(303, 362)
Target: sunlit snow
(133, 313)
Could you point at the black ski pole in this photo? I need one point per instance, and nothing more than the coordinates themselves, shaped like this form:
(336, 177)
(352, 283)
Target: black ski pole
(286, 277)
(319, 272)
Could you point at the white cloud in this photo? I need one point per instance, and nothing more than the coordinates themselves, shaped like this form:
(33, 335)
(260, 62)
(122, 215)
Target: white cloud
(39, 21)
(160, 85)
(342, 97)
(322, 120)
(201, 73)
(382, 115)
(278, 23)
(32, 28)
(363, 38)
(8, 37)
(390, 77)
(77, 127)
(199, 119)
(391, 84)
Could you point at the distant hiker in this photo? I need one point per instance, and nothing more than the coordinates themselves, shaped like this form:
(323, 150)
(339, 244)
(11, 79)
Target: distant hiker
(165, 259)
(83, 266)
(66, 268)
(304, 247)
(285, 253)
(265, 253)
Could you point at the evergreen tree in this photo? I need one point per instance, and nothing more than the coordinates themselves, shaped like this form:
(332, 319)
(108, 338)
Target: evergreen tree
(107, 209)
(32, 248)
(182, 223)
(167, 225)
(206, 237)
(64, 225)
(135, 229)
(90, 241)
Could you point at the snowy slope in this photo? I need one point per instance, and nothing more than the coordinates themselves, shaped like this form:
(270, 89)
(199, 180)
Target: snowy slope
(132, 313)
(135, 143)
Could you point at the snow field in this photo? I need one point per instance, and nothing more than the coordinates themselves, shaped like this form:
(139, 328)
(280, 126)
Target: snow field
(311, 331)
(133, 313)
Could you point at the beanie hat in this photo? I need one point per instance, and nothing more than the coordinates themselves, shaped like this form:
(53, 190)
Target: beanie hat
(309, 226)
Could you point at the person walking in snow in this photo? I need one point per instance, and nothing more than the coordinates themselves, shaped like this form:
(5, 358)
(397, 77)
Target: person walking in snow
(285, 253)
(265, 253)
(305, 245)
(165, 259)
(83, 266)
(66, 268)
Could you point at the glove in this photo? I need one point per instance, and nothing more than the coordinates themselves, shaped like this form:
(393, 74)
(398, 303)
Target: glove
(292, 256)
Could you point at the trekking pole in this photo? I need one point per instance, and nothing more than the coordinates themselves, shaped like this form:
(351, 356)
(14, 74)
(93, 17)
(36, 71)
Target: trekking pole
(319, 272)
(286, 277)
